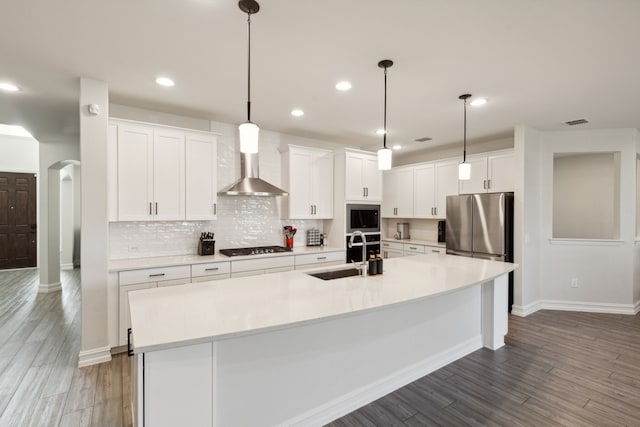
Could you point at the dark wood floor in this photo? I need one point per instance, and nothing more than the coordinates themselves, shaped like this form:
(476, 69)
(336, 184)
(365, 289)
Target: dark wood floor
(558, 368)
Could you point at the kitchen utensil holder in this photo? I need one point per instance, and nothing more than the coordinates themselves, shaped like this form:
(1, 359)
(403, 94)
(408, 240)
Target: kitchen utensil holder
(206, 247)
(288, 242)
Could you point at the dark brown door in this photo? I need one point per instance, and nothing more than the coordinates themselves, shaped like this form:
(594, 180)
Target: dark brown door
(17, 220)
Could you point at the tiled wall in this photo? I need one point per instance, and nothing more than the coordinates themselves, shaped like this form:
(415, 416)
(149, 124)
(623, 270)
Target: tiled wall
(242, 221)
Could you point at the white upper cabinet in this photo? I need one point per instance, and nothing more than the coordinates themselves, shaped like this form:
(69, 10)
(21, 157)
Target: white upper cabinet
(363, 180)
(424, 191)
(150, 178)
(135, 172)
(308, 174)
(446, 177)
(168, 175)
(490, 173)
(201, 183)
(398, 194)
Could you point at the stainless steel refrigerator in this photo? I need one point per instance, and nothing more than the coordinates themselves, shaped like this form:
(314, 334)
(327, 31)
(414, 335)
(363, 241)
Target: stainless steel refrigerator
(481, 226)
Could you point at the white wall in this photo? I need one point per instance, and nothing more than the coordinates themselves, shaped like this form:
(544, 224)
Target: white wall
(94, 344)
(18, 154)
(450, 151)
(604, 269)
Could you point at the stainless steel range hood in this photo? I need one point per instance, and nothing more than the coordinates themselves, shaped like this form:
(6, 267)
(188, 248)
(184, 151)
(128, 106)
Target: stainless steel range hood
(250, 183)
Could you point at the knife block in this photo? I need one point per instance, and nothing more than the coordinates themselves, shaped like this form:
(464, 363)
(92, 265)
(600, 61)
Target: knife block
(206, 247)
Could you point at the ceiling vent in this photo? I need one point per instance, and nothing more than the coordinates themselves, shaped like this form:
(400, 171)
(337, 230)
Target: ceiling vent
(423, 139)
(576, 122)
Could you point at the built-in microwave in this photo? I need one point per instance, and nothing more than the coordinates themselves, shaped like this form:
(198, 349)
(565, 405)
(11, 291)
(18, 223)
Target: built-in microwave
(365, 218)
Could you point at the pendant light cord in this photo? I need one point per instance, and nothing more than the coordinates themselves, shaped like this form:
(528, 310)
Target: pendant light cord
(384, 136)
(464, 152)
(249, 69)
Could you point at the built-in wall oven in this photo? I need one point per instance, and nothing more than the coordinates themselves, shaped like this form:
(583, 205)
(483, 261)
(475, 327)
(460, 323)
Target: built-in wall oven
(364, 218)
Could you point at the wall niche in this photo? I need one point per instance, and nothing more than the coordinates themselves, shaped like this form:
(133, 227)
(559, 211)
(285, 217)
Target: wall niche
(586, 195)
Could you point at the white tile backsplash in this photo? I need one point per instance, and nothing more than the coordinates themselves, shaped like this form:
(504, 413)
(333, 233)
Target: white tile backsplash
(419, 229)
(242, 220)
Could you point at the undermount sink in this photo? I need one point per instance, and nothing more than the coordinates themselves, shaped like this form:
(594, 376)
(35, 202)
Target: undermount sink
(336, 274)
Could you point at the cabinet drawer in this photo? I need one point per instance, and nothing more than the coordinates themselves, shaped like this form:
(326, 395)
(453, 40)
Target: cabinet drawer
(148, 275)
(319, 258)
(174, 282)
(262, 263)
(210, 268)
(415, 249)
(435, 249)
(398, 246)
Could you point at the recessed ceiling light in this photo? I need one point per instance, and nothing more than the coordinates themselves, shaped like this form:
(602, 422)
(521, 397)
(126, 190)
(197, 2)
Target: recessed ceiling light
(380, 132)
(397, 147)
(297, 113)
(344, 85)
(14, 130)
(478, 102)
(8, 87)
(165, 81)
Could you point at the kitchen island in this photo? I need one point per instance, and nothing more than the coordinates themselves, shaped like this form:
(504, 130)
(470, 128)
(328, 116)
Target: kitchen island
(292, 349)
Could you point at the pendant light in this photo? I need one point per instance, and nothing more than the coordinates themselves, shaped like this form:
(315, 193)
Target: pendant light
(248, 130)
(384, 154)
(464, 168)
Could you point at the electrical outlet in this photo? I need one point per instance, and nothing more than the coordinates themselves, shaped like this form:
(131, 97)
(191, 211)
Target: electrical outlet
(574, 282)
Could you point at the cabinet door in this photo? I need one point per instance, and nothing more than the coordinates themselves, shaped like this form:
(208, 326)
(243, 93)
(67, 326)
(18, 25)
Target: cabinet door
(201, 186)
(300, 174)
(135, 173)
(124, 315)
(404, 193)
(372, 179)
(424, 187)
(478, 181)
(354, 173)
(169, 175)
(392, 253)
(389, 195)
(322, 185)
(501, 172)
(446, 185)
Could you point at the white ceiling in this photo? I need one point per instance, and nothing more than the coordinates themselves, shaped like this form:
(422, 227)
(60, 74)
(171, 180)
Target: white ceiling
(538, 62)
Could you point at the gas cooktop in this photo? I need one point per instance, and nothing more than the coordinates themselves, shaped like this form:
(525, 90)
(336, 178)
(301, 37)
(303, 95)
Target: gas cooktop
(259, 250)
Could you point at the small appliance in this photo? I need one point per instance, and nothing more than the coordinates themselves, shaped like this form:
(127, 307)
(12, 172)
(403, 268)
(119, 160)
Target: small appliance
(402, 229)
(365, 218)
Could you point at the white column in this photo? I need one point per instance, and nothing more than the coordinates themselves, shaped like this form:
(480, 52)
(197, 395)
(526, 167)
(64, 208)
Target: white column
(94, 344)
(495, 312)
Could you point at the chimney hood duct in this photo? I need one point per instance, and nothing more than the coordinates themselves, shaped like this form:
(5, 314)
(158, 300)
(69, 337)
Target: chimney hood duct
(250, 183)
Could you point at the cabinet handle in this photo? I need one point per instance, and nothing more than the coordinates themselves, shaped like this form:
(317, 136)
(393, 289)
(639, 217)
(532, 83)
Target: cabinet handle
(156, 275)
(488, 184)
(321, 257)
(156, 208)
(363, 192)
(411, 247)
(215, 209)
(435, 250)
(484, 184)
(367, 190)
(315, 209)
(212, 269)
(310, 209)
(129, 349)
(150, 209)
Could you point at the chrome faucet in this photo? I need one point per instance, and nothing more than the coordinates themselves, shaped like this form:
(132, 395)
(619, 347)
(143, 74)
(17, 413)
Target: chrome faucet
(363, 265)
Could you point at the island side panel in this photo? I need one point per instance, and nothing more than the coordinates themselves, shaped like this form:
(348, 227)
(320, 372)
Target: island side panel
(314, 373)
(495, 312)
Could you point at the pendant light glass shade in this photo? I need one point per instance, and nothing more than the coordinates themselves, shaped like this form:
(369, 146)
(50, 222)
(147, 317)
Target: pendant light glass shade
(384, 154)
(464, 171)
(464, 168)
(249, 137)
(384, 159)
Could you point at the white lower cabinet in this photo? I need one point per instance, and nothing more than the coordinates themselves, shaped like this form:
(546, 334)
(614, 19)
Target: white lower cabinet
(391, 249)
(189, 369)
(210, 271)
(434, 250)
(412, 249)
(399, 249)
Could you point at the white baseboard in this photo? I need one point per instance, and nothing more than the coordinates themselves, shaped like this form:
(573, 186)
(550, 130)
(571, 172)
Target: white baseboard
(94, 356)
(589, 307)
(44, 288)
(350, 402)
(68, 266)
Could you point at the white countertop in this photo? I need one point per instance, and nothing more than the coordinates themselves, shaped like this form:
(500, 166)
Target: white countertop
(168, 261)
(197, 312)
(416, 242)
